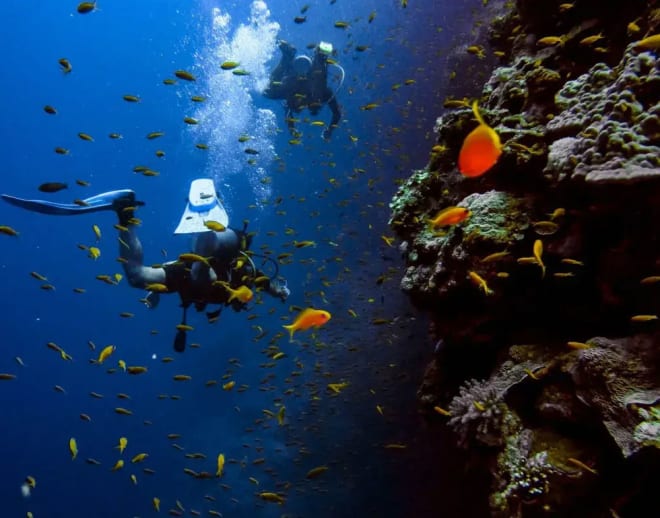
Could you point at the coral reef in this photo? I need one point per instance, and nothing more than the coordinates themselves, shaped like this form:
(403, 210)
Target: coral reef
(544, 303)
(613, 119)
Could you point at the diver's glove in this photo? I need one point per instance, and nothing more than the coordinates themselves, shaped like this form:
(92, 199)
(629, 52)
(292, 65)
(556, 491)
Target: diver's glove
(278, 288)
(286, 48)
(123, 205)
(151, 299)
(327, 134)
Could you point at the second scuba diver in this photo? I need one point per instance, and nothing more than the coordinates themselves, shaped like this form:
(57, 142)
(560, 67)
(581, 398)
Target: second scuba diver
(302, 82)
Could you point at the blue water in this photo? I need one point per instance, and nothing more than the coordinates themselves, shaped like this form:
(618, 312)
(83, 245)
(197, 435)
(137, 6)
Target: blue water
(334, 193)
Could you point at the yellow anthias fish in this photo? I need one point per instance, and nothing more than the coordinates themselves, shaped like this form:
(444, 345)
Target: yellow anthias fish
(221, 465)
(97, 232)
(123, 441)
(139, 457)
(193, 258)
(242, 293)
(105, 353)
(280, 415)
(73, 448)
(538, 255)
(215, 226)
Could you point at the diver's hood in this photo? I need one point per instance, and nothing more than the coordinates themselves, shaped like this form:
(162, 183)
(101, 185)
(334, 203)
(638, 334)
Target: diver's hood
(203, 205)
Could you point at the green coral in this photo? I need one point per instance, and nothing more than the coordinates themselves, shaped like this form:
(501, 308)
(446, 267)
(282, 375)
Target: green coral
(409, 194)
(498, 219)
(647, 433)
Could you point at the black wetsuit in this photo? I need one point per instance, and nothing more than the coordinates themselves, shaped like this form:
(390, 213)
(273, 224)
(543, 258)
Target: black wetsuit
(200, 291)
(309, 91)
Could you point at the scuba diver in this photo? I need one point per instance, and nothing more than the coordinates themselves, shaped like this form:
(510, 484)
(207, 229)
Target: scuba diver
(303, 83)
(220, 270)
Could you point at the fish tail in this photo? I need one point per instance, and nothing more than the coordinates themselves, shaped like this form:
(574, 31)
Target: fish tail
(291, 329)
(475, 110)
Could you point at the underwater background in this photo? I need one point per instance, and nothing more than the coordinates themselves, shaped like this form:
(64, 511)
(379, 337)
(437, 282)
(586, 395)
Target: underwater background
(334, 193)
(482, 227)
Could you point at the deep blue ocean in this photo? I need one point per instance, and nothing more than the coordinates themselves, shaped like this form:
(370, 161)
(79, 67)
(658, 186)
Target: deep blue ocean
(334, 193)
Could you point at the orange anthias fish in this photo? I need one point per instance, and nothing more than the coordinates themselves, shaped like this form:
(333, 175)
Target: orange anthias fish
(481, 148)
(307, 318)
(450, 216)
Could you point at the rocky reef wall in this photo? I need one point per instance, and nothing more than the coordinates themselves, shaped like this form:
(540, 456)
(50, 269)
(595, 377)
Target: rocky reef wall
(550, 370)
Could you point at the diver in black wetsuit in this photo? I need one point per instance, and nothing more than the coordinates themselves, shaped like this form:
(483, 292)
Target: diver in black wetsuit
(221, 261)
(303, 83)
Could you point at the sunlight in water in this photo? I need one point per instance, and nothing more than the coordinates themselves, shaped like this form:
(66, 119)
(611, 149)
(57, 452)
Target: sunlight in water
(230, 111)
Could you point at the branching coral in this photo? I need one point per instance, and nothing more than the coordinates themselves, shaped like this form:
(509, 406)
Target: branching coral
(523, 476)
(480, 415)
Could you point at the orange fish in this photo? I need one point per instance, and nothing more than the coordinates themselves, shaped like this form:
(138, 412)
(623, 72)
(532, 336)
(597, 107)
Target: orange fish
(307, 318)
(450, 216)
(481, 148)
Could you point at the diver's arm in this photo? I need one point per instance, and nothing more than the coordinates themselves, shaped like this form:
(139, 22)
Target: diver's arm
(276, 85)
(277, 288)
(290, 119)
(130, 250)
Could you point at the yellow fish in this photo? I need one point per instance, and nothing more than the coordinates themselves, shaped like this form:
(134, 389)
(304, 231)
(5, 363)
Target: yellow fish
(538, 253)
(193, 258)
(221, 465)
(73, 448)
(315, 472)
(280, 415)
(97, 232)
(105, 353)
(216, 226)
(139, 457)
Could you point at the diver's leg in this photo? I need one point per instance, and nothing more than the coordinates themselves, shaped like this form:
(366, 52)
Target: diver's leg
(130, 250)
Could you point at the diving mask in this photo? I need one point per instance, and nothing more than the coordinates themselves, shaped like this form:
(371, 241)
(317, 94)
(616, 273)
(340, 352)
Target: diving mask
(325, 48)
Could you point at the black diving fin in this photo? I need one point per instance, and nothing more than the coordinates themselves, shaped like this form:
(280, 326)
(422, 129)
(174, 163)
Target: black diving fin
(180, 338)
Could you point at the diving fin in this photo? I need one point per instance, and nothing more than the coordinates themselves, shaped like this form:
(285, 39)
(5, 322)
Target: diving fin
(180, 341)
(202, 205)
(180, 338)
(111, 200)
